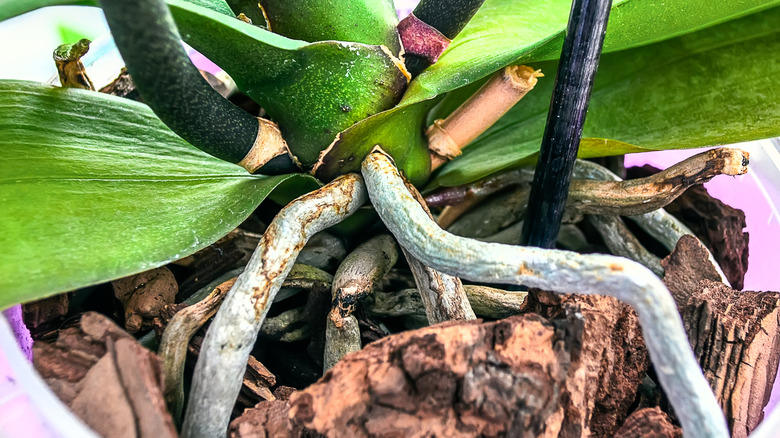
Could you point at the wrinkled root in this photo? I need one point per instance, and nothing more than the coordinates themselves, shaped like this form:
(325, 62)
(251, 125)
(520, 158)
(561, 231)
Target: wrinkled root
(433, 252)
(228, 342)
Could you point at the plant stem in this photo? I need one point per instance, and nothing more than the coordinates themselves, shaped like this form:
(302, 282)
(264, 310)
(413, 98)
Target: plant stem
(561, 271)
(231, 336)
(573, 84)
(428, 30)
(150, 44)
(447, 137)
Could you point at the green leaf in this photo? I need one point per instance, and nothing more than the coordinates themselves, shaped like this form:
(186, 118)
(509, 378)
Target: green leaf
(95, 187)
(314, 91)
(399, 133)
(362, 21)
(13, 8)
(715, 86)
(508, 31)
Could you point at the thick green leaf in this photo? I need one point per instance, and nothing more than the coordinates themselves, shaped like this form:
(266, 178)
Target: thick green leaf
(313, 91)
(399, 133)
(505, 31)
(508, 31)
(13, 8)
(361, 21)
(94, 187)
(715, 86)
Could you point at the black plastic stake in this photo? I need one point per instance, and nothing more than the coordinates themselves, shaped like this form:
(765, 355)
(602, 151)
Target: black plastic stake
(573, 84)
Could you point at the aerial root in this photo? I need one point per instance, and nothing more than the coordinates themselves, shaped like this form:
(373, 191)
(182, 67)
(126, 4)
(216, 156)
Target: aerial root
(622, 242)
(641, 199)
(486, 301)
(359, 274)
(231, 336)
(561, 271)
(175, 339)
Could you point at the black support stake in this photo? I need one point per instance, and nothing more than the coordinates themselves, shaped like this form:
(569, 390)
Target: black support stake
(565, 119)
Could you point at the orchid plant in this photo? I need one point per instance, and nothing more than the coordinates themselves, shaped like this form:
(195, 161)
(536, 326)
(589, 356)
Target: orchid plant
(94, 187)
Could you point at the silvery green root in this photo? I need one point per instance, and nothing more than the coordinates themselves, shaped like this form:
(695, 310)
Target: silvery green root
(642, 199)
(622, 242)
(561, 271)
(232, 334)
(340, 341)
(357, 276)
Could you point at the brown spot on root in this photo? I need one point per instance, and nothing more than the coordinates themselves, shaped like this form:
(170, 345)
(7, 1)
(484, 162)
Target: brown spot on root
(614, 267)
(524, 270)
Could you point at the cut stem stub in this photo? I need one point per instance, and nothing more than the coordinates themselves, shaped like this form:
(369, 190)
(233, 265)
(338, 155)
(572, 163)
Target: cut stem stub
(447, 137)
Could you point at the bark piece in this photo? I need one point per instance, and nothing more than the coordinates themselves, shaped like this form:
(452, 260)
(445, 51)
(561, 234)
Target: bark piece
(685, 267)
(603, 382)
(258, 381)
(43, 314)
(284, 392)
(76, 350)
(144, 296)
(453, 379)
(266, 420)
(734, 335)
(720, 228)
(113, 384)
(649, 423)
